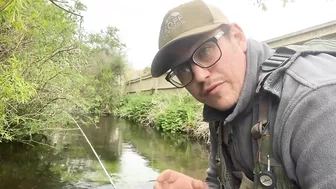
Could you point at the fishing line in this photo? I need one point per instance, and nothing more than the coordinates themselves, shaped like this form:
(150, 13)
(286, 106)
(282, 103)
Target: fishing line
(100, 162)
(79, 54)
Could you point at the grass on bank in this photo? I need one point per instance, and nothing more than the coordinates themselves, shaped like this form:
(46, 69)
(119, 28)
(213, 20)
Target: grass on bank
(167, 112)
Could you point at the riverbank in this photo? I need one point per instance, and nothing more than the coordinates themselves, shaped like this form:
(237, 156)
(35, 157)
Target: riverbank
(173, 113)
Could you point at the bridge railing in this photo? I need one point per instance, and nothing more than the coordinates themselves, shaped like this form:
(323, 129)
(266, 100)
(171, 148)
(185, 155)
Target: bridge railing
(148, 83)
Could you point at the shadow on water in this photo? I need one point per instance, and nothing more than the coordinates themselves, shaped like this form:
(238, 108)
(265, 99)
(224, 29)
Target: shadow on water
(132, 154)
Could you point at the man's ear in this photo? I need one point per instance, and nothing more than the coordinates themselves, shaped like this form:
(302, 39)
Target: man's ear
(238, 35)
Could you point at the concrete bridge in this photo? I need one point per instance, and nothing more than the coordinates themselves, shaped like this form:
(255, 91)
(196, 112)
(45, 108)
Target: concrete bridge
(147, 83)
(325, 30)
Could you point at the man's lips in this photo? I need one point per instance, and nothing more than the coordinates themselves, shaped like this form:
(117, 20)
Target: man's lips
(211, 88)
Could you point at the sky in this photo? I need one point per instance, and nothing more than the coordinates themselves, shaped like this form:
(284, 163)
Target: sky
(139, 21)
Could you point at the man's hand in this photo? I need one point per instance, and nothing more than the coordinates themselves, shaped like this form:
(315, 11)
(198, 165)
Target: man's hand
(170, 179)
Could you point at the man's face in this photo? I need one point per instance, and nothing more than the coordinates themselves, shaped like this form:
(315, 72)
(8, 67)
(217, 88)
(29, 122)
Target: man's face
(219, 86)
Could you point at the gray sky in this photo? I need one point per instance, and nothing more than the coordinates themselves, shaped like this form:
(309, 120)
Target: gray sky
(139, 21)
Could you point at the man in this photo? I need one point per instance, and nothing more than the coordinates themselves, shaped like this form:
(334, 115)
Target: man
(272, 115)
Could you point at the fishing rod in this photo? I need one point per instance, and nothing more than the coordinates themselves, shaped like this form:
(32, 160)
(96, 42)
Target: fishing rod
(100, 162)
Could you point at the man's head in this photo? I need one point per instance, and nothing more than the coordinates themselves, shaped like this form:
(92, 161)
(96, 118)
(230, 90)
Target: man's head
(203, 52)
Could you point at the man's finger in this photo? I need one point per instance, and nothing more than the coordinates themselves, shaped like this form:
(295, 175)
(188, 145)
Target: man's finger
(165, 176)
(157, 185)
(197, 184)
(168, 176)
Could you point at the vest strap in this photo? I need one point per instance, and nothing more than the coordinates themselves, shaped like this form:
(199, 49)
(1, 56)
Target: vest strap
(225, 165)
(269, 173)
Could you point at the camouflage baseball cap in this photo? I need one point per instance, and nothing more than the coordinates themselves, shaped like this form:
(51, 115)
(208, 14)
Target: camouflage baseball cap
(186, 20)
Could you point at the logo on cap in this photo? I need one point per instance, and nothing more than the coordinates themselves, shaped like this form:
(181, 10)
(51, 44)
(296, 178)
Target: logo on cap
(174, 20)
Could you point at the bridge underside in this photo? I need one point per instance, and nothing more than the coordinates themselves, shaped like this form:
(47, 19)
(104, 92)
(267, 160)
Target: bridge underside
(323, 31)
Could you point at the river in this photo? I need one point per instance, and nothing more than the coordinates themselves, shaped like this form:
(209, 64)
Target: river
(132, 154)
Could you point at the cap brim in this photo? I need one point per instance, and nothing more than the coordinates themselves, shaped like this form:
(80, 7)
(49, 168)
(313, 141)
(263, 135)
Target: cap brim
(162, 62)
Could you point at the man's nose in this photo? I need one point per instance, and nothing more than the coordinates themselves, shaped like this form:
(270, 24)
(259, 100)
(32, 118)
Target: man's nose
(200, 74)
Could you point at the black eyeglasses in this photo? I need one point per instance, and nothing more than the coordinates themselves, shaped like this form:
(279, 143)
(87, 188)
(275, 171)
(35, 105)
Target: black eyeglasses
(205, 56)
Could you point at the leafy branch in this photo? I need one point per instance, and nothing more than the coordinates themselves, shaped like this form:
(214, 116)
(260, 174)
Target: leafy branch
(5, 5)
(261, 4)
(68, 11)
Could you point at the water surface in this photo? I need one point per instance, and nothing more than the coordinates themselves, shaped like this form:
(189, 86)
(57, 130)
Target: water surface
(132, 154)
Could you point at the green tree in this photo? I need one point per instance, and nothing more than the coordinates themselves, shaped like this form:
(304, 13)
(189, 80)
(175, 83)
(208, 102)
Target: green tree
(146, 70)
(45, 60)
(106, 68)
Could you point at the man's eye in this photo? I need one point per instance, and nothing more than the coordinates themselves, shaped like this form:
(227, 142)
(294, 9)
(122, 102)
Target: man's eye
(183, 69)
(205, 52)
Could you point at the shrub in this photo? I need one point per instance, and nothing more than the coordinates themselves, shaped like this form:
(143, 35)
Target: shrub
(171, 113)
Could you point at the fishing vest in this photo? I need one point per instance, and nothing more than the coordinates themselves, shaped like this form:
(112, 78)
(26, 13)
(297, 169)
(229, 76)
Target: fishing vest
(268, 172)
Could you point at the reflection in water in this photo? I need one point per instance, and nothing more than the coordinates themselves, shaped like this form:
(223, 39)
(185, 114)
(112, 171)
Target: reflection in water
(134, 168)
(132, 154)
